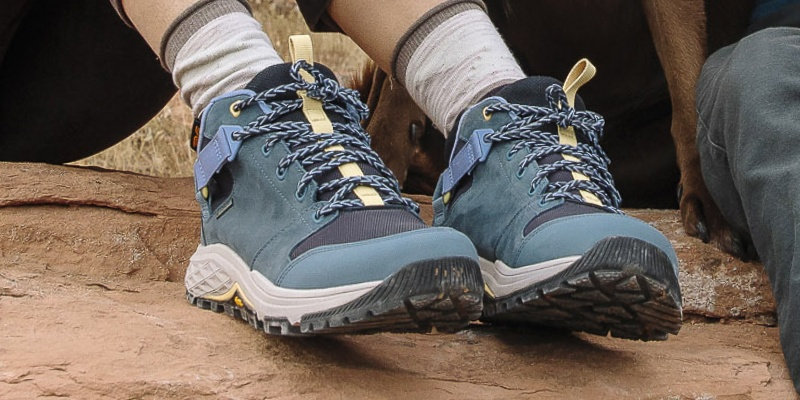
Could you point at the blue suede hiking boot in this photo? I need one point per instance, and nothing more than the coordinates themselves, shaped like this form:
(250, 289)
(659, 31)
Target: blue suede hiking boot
(304, 229)
(528, 183)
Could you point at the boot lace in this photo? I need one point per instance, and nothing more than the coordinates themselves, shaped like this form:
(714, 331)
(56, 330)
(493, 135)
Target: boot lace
(313, 150)
(530, 132)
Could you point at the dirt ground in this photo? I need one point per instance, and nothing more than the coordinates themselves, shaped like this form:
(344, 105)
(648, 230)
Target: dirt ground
(91, 306)
(73, 336)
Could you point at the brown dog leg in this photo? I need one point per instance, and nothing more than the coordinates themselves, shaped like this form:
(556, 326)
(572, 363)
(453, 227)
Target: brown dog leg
(400, 132)
(679, 35)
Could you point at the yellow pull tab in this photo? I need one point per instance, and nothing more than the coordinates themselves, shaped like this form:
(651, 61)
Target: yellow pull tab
(582, 72)
(300, 48)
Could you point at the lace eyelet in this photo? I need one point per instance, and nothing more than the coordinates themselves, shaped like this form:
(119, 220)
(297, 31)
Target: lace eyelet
(520, 173)
(543, 201)
(233, 109)
(265, 150)
(509, 156)
(280, 173)
(302, 194)
(317, 217)
(486, 114)
(532, 191)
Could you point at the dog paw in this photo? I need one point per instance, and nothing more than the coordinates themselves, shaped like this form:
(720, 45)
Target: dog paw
(702, 219)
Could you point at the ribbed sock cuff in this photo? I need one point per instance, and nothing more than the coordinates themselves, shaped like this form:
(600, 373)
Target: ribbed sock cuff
(190, 21)
(418, 31)
(221, 56)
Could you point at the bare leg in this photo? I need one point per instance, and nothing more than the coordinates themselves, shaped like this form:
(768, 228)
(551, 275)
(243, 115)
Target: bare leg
(448, 54)
(377, 25)
(210, 48)
(152, 17)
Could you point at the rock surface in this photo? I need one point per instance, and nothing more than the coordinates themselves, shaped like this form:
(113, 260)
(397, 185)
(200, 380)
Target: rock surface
(82, 220)
(91, 306)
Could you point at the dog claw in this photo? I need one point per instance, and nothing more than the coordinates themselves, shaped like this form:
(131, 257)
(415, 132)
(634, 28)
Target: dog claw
(737, 248)
(750, 252)
(703, 220)
(702, 232)
(741, 247)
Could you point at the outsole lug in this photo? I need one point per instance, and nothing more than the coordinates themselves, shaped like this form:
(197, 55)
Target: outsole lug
(630, 285)
(630, 298)
(607, 291)
(608, 277)
(593, 296)
(442, 294)
(616, 311)
(581, 282)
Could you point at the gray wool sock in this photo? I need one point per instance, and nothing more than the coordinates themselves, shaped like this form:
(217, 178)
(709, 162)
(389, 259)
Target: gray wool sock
(451, 58)
(215, 48)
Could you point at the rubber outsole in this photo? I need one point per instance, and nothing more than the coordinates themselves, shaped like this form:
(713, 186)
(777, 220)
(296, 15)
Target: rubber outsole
(622, 286)
(443, 294)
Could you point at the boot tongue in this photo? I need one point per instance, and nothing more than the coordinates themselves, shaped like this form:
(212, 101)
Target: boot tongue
(280, 74)
(531, 91)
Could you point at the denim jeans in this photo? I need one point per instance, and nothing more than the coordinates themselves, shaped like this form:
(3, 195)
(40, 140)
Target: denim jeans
(748, 135)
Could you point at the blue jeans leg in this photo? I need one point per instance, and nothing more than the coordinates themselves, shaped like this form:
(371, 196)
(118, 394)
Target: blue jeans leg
(748, 101)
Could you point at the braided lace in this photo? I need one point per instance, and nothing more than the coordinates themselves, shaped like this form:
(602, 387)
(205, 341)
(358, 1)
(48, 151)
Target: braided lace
(529, 131)
(312, 150)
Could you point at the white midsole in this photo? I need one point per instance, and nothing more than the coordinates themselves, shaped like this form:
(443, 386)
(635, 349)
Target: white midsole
(502, 280)
(216, 272)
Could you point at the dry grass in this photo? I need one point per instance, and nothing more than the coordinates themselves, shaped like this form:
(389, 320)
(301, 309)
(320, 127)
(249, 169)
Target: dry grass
(161, 147)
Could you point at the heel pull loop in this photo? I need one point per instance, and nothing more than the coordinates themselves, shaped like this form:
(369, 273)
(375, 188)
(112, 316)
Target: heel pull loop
(583, 71)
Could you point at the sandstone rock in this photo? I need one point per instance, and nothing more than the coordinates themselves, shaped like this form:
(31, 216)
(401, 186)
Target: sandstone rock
(83, 337)
(714, 284)
(88, 221)
(91, 266)
(105, 223)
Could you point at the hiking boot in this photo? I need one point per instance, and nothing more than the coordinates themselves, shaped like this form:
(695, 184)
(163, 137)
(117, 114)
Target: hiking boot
(528, 183)
(304, 230)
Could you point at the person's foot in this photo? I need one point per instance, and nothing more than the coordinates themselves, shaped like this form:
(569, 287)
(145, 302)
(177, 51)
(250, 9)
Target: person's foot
(528, 183)
(306, 232)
